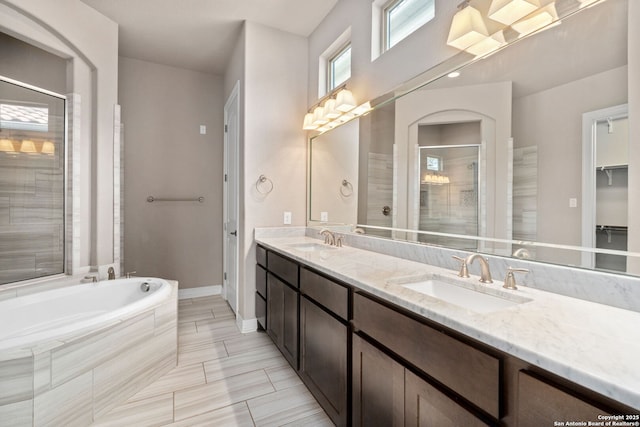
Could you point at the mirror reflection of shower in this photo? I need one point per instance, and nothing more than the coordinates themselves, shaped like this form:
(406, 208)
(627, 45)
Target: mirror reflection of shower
(449, 193)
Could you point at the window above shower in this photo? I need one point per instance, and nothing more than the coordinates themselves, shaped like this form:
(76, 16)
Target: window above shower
(32, 177)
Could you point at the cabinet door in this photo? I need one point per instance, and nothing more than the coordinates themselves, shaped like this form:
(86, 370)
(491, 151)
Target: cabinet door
(540, 403)
(323, 359)
(427, 406)
(378, 387)
(289, 344)
(275, 309)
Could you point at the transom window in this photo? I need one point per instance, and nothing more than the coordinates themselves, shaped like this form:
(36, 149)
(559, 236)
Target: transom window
(403, 17)
(339, 68)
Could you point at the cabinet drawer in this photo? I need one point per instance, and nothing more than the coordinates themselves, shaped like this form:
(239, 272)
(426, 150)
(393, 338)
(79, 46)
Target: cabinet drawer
(541, 403)
(284, 268)
(261, 256)
(327, 293)
(466, 370)
(261, 281)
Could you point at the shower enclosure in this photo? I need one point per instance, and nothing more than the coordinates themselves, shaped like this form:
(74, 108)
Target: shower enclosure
(449, 194)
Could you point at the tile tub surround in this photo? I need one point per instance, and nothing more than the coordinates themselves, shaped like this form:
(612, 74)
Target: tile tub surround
(79, 377)
(593, 345)
(223, 378)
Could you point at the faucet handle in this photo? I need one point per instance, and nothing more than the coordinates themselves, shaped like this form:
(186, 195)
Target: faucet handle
(464, 270)
(129, 273)
(510, 280)
(339, 241)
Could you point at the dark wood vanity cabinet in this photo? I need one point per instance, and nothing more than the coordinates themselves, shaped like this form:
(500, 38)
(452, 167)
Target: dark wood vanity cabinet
(283, 302)
(261, 287)
(369, 362)
(324, 343)
(465, 382)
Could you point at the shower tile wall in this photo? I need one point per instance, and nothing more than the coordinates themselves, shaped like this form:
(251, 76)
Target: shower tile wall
(31, 221)
(525, 194)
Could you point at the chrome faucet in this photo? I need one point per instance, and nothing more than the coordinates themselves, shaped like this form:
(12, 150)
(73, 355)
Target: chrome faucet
(329, 237)
(485, 273)
(112, 273)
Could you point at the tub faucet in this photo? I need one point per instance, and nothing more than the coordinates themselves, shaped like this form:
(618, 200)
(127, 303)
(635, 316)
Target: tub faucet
(112, 273)
(485, 273)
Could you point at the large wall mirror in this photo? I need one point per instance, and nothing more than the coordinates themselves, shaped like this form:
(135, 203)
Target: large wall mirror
(524, 153)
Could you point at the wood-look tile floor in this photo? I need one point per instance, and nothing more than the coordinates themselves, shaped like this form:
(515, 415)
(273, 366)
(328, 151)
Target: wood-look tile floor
(223, 378)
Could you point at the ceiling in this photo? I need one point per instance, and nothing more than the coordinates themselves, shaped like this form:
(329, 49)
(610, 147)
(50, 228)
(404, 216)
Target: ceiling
(200, 34)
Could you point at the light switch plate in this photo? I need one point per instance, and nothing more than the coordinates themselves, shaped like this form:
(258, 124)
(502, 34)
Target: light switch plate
(573, 202)
(203, 130)
(287, 218)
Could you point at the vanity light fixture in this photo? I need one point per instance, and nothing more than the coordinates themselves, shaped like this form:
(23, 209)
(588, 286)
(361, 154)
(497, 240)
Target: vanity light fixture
(334, 111)
(330, 110)
(509, 11)
(318, 116)
(48, 148)
(467, 27)
(6, 146)
(28, 147)
(345, 101)
(308, 122)
(538, 19)
(488, 45)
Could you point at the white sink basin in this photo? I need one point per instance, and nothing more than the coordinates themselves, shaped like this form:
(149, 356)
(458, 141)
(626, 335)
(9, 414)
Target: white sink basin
(479, 301)
(311, 247)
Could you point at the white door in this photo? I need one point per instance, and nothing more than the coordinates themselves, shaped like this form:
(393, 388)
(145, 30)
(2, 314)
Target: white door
(230, 199)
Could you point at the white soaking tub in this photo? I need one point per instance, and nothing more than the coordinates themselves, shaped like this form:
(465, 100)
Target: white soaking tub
(69, 355)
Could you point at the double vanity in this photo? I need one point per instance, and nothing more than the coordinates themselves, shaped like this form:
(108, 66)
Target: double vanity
(381, 340)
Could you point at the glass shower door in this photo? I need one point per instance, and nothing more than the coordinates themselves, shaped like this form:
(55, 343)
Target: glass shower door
(449, 194)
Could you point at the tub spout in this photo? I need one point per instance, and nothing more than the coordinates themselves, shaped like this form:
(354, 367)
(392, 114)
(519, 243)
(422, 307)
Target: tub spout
(112, 273)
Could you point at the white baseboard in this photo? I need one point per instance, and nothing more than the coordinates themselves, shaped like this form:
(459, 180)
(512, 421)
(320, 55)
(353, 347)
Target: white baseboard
(203, 291)
(246, 326)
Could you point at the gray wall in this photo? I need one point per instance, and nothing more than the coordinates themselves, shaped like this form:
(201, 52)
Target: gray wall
(166, 156)
(29, 64)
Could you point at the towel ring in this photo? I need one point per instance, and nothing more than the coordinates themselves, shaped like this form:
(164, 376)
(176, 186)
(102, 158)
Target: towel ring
(265, 183)
(346, 189)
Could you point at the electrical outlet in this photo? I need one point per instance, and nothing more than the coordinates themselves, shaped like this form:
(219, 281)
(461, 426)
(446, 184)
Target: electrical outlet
(324, 216)
(203, 130)
(287, 218)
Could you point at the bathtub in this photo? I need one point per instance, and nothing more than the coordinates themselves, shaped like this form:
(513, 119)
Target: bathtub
(69, 355)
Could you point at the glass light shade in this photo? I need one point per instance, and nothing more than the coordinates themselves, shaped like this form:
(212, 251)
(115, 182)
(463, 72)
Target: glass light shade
(467, 28)
(509, 11)
(6, 146)
(361, 109)
(489, 44)
(536, 20)
(48, 148)
(28, 147)
(345, 101)
(318, 116)
(330, 111)
(306, 125)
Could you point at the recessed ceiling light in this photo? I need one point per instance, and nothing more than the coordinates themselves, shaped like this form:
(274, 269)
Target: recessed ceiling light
(453, 74)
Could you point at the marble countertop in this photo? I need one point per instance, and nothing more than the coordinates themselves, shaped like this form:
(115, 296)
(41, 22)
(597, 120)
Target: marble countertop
(594, 345)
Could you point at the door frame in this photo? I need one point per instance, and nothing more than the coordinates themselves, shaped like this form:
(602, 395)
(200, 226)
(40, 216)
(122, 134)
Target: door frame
(226, 199)
(589, 131)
